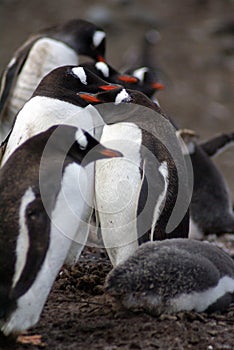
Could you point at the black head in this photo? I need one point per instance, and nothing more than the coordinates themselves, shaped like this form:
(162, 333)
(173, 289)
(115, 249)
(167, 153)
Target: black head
(71, 143)
(66, 82)
(149, 82)
(108, 73)
(84, 37)
(120, 95)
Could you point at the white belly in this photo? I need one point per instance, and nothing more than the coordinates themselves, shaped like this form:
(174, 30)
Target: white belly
(117, 188)
(45, 55)
(40, 113)
(65, 221)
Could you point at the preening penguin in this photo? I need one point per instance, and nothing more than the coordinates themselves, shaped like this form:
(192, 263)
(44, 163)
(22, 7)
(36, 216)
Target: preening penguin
(42, 188)
(174, 275)
(50, 48)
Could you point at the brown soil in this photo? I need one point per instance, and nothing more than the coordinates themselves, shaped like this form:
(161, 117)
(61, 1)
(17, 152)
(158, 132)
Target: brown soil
(198, 67)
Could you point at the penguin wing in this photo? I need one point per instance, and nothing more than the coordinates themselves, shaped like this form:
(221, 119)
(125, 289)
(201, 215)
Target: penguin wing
(217, 144)
(37, 224)
(11, 72)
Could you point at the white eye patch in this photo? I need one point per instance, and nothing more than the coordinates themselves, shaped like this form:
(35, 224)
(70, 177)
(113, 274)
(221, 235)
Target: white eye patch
(103, 67)
(140, 72)
(80, 73)
(122, 96)
(98, 36)
(81, 139)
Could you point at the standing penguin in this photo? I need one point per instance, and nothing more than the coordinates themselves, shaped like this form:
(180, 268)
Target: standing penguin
(42, 190)
(211, 207)
(50, 48)
(174, 275)
(57, 100)
(136, 198)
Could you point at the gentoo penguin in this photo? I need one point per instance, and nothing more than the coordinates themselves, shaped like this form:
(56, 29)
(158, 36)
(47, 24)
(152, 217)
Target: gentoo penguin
(50, 48)
(110, 74)
(211, 207)
(143, 79)
(54, 101)
(174, 275)
(149, 82)
(144, 197)
(42, 190)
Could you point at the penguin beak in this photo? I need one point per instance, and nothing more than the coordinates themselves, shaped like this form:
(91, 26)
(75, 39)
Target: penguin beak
(127, 79)
(89, 97)
(109, 153)
(109, 87)
(101, 58)
(100, 152)
(158, 86)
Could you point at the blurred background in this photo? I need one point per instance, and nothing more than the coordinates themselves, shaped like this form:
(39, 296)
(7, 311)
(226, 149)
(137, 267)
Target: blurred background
(191, 42)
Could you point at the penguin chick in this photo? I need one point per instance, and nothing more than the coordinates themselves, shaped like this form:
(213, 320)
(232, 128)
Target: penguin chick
(174, 275)
(42, 191)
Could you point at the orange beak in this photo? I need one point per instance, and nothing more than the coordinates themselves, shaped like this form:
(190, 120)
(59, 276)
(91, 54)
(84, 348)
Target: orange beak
(89, 98)
(109, 153)
(109, 87)
(101, 58)
(158, 86)
(127, 79)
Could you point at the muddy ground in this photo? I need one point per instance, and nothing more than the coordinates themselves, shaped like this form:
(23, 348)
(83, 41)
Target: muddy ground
(195, 56)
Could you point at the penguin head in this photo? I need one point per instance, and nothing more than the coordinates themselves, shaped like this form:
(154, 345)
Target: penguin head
(148, 80)
(107, 72)
(67, 82)
(120, 95)
(87, 149)
(75, 144)
(84, 37)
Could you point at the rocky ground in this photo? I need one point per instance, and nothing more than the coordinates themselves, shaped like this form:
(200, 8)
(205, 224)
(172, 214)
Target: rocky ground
(195, 56)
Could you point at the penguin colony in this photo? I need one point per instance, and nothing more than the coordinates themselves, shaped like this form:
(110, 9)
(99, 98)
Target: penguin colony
(58, 122)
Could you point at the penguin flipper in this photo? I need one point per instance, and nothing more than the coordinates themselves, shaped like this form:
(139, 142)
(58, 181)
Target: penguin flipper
(217, 144)
(38, 226)
(11, 72)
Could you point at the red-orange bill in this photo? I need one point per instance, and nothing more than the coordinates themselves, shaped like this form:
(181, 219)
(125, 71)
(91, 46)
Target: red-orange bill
(89, 98)
(101, 59)
(109, 87)
(127, 79)
(110, 153)
(158, 86)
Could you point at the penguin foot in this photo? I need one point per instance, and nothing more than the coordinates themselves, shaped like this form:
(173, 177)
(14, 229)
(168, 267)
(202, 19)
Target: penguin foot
(35, 339)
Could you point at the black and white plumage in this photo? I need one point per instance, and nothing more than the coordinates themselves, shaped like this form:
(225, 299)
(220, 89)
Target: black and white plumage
(56, 100)
(135, 198)
(149, 82)
(211, 206)
(52, 47)
(43, 191)
(174, 275)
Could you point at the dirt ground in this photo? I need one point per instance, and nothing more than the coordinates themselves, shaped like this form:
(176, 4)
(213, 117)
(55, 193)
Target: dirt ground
(198, 68)
(79, 315)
